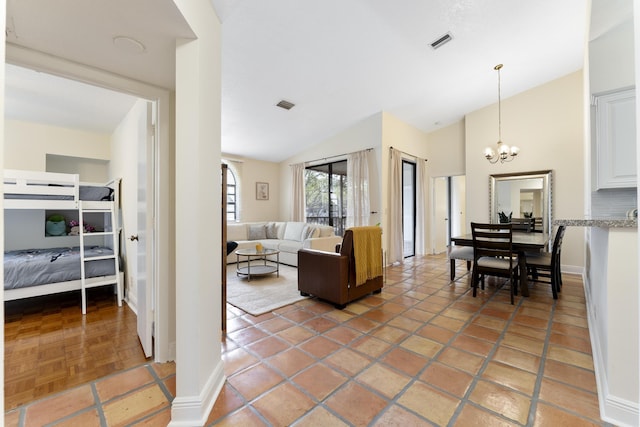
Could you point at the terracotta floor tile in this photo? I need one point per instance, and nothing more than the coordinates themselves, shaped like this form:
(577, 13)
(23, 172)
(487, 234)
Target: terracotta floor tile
(371, 346)
(298, 315)
(320, 347)
(501, 400)
(570, 374)
(354, 396)
(526, 331)
(447, 378)
(489, 322)
(422, 346)
(573, 343)
(320, 380)
(54, 408)
(243, 417)
(228, 401)
(12, 418)
(362, 324)
(291, 361)
(134, 406)
(390, 334)
(472, 416)
(88, 418)
(276, 324)
(397, 416)
(283, 405)
(342, 335)
(247, 335)
(418, 316)
(549, 416)
(237, 360)
(320, 417)
(518, 359)
(571, 320)
(448, 323)
(531, 321)
(255, 381)
(429, 403)
(268, 347)
(481, 332)
(405, 361)
(436, 333)
(467, 362)
(386, 381)
(295, 335)
(320, 324)
(163, 370)
(574, 331)
(523, 343)
(161, 418)
(472, 345)
(570, 398)
(570, 357)
(348, 361)
(122, 383)
(509, 376)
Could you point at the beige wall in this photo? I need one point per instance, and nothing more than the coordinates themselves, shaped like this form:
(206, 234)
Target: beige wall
(248, 172)
(27, 144)
(446, 150)
(547, 124)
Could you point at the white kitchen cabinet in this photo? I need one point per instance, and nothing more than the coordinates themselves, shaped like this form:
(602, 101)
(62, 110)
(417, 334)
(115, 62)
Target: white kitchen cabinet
(616, 139)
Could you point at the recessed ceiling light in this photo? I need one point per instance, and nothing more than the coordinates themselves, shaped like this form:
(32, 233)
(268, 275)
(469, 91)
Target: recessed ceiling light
(129, 44)
(442, 40)
(285, 104)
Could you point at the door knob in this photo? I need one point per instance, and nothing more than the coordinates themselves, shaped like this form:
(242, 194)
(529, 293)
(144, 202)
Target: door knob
(133, 238)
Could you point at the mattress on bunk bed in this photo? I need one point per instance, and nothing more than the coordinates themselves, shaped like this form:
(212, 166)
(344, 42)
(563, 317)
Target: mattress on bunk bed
(86, 192)
(35, 267)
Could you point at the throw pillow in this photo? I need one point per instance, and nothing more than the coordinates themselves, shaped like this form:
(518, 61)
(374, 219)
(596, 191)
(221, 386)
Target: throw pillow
(257, 232)
(293, 231)
(308, 232)
(272, 230)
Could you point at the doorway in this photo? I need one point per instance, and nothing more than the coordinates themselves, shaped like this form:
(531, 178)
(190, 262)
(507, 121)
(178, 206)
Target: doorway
(408, 208)
(449, 210)
(147, 270)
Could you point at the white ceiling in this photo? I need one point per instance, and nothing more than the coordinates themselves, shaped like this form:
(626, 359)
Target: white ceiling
(338, 61)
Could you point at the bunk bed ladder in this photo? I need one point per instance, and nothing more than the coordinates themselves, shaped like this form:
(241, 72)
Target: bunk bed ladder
(113, 235)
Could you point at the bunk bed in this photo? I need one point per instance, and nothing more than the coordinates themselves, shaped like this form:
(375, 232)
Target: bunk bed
(35, 272)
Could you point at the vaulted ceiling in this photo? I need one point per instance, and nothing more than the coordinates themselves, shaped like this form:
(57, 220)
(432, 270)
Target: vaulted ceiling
(338, 61)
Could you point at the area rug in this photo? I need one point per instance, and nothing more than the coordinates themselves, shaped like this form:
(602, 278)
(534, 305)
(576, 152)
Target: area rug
(263, 293)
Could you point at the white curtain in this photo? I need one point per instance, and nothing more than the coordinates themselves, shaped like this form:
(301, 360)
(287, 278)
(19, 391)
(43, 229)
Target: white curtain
(297, 195)
(421, 206)
(358, 189)
(395, 207)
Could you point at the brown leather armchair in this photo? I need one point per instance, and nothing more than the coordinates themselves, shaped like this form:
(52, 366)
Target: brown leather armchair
(332, 276)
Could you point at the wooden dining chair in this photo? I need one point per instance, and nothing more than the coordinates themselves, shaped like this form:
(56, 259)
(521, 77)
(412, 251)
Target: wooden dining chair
(493, 255)
(546, 265)
(464, 253)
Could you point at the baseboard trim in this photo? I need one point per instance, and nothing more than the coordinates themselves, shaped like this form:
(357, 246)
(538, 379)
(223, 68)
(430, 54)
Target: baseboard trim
(193, 411)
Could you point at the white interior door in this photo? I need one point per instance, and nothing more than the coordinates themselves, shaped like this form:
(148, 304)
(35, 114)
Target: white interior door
(458, 208)
(145, 231)
(441, 214)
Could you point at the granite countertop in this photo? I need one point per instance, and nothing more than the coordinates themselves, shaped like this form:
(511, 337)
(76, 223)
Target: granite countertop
(599, 222)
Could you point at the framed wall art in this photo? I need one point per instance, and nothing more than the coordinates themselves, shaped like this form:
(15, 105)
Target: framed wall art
(262, 191)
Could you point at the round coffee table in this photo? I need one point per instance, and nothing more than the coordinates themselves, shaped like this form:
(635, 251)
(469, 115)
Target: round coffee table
(268, 266)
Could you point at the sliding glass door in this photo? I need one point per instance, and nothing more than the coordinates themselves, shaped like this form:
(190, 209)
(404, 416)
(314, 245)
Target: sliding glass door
(326, 195)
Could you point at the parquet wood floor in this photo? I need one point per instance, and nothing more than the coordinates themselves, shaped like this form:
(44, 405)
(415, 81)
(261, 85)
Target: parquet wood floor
(50, 346)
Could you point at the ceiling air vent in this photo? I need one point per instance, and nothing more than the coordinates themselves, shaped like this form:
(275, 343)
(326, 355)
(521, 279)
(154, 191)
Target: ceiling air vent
(442, 40)
(285, 104)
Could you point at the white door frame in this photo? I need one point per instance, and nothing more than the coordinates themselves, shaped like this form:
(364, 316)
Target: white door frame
(164, 343)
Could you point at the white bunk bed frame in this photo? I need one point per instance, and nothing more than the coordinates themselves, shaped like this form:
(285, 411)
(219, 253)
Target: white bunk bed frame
(37, 184)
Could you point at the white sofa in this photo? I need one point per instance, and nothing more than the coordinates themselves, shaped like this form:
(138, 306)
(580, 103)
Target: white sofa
(287, 237)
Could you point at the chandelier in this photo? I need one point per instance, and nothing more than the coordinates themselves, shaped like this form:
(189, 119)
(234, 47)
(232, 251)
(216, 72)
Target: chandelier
(502, 152)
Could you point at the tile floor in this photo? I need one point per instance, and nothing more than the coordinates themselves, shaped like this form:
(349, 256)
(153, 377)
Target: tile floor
(424, 352)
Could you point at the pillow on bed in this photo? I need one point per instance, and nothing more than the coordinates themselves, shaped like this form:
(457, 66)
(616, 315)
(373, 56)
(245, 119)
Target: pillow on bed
(257, 232)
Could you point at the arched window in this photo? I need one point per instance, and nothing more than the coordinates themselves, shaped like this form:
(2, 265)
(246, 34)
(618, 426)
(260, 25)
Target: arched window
(232, 196)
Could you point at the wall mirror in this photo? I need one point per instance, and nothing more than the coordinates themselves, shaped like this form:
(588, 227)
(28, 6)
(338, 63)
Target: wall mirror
(523, 199)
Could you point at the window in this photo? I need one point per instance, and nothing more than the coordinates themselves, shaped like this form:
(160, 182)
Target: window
(326, 194)
(232, 201)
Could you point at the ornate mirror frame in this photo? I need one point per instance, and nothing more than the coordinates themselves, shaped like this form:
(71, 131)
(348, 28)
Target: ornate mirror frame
(546, 178)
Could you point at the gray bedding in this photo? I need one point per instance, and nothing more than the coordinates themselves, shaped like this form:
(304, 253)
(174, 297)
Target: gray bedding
(34, 267)
(86, 192)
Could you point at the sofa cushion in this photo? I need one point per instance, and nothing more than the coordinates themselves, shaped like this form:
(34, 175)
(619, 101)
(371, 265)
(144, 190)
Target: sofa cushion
(257, 232)
(325, 230)
(272, 230)
(289, 246)
(293, 231)
(236, 232)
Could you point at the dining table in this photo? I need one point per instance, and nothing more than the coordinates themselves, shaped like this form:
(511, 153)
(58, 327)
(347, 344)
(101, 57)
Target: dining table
(521, 242)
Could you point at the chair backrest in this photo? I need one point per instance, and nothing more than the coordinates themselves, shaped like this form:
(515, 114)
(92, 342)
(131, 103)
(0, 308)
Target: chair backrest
(557, 244)
(523, 224)
(492, 240)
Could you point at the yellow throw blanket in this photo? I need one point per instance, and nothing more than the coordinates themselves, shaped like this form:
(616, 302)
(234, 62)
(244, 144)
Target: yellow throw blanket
(367, 251)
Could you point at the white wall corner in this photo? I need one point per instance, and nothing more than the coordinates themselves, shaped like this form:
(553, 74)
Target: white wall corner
(193, 411)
